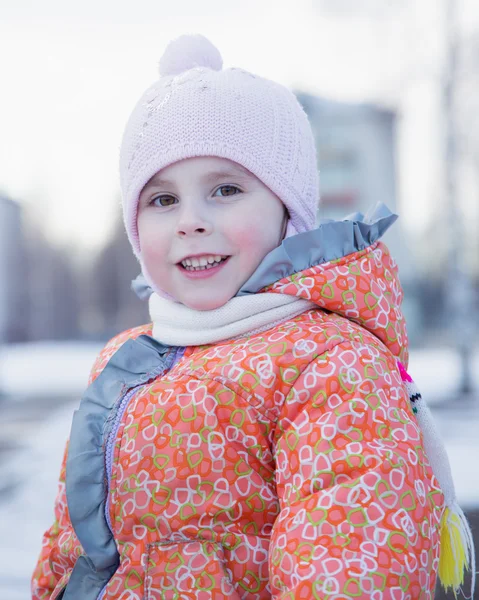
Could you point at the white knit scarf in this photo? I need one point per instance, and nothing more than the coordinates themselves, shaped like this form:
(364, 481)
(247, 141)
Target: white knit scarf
(177, 325)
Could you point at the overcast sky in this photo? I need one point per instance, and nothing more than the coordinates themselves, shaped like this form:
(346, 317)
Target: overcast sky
(70, 73)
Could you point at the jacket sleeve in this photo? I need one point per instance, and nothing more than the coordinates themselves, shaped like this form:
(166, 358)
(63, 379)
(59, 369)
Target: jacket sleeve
(60, 546)
(53, 565)
(359, 506)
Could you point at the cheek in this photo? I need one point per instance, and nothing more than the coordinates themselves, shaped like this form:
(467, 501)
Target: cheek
(152, 240)
(254, 240)
(249, 238)
(245, 236)
(258, 227)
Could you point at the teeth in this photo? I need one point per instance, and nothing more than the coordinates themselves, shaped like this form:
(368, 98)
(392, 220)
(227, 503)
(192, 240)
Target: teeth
(199, 264)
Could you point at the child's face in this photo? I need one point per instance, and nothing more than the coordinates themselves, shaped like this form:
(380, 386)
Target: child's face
(201, 208)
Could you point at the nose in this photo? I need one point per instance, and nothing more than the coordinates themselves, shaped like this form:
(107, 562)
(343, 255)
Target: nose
(192, 223)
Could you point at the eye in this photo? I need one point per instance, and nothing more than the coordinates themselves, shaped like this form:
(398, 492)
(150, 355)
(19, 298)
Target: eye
(227, 190)
(164, 200)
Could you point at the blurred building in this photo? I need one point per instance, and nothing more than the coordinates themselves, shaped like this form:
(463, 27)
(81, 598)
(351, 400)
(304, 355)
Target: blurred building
(13, 322)
(356, 146)
(53, 289)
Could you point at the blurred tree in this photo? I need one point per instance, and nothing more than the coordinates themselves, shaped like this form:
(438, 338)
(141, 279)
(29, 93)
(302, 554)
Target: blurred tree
(467, 120)
(454, 65)
(459, 293)
(111, 305)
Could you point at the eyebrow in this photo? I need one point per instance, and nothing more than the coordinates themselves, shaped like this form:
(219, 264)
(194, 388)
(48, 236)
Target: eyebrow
(208, 177)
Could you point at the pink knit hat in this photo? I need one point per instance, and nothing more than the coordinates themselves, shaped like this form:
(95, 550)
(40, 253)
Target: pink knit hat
(196, 108)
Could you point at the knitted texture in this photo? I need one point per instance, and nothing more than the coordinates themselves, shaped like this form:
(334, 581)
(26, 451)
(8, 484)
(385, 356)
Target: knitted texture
(178, 325)
(229, 113)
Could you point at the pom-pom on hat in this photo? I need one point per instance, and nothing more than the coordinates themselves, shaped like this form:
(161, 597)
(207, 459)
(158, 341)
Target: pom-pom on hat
(197, 108)
(188, 52)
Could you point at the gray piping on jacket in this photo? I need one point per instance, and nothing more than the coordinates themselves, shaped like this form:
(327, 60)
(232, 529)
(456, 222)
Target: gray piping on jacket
(134, 363)
(331, 240)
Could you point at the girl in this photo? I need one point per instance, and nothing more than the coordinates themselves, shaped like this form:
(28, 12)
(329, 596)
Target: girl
(257, 440)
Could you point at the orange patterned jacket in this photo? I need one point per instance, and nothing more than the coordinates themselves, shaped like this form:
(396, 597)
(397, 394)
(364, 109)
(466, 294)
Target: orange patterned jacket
(283, 465)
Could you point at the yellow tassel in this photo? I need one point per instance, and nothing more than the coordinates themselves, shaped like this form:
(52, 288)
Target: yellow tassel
(457, 549)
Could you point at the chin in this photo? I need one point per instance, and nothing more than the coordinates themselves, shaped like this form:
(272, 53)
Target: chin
(210, 303)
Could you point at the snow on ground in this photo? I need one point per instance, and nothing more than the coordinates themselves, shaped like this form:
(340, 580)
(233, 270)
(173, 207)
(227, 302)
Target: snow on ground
(63, 369)
(29, 511)
(437, 373)
(40, 370)
(44, 368)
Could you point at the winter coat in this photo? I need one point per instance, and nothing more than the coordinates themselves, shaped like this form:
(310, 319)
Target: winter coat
(287, 464)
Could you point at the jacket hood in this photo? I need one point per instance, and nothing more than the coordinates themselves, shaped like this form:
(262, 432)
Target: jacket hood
(342, 267)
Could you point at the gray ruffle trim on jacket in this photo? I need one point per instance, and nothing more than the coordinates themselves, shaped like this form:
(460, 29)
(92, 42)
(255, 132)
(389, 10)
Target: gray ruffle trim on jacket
(331, 240)
(134, 363)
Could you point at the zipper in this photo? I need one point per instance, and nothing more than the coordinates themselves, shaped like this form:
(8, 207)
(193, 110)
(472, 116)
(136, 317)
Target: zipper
(102, 593)
(110, 446)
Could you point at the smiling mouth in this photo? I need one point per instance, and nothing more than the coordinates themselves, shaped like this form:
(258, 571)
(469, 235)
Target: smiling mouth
(203, 263)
